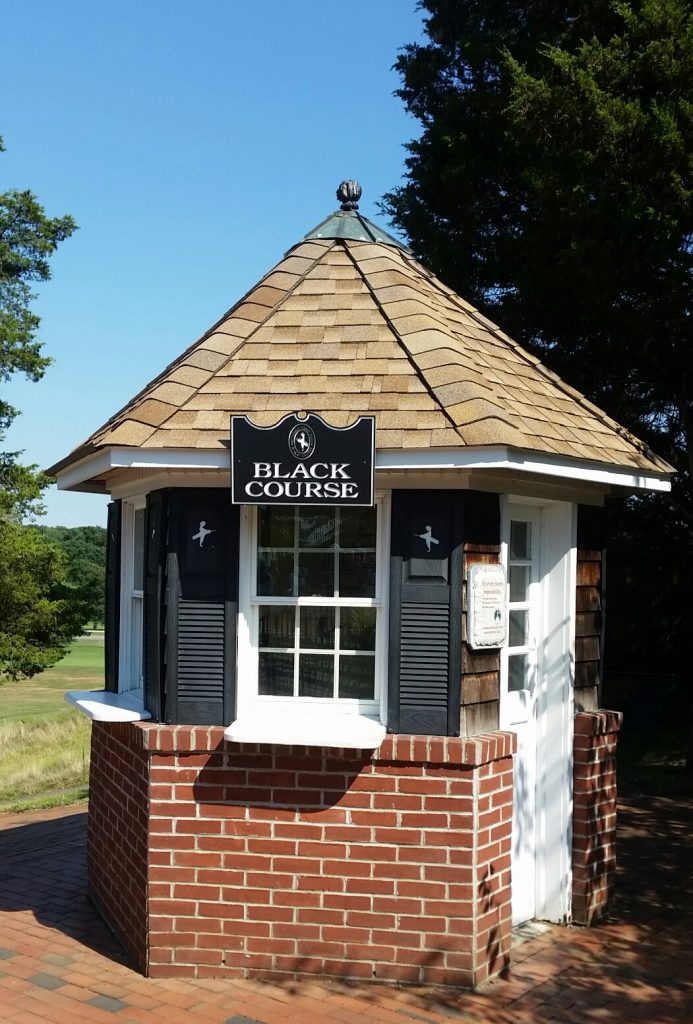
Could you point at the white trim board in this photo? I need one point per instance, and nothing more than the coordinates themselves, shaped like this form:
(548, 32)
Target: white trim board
(493, 457)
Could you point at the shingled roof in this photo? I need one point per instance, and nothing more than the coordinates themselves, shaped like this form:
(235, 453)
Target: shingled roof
(350, 323)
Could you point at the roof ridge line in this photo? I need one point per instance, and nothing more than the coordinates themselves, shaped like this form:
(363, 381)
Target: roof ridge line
(403, 345)
(133, 402)
(537, 363)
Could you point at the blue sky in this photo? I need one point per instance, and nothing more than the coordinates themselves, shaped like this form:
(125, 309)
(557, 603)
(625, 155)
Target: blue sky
(193, 142)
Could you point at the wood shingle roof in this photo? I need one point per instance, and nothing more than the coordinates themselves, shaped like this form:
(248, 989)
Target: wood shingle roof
(342, 327)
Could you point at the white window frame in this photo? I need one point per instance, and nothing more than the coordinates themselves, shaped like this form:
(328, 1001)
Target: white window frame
(131, 647)
(248, 702)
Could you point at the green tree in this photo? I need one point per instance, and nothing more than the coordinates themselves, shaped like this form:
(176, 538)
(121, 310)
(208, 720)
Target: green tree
(85, 550)
(37, 618)
(39, 611)
(551, 183)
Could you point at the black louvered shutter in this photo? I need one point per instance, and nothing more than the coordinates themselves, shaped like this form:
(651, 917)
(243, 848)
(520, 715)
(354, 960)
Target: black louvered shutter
(112, 613)
(202, 606)
(154, 613)
(425, 613)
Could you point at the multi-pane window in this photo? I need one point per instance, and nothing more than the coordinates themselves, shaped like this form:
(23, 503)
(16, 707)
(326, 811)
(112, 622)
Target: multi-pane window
(316, 601)
(521, 580)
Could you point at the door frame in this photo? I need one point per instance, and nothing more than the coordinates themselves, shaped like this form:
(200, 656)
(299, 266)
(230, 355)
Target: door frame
(555, 700)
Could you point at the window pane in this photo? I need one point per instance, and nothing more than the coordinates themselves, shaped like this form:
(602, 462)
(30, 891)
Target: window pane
(517, 632)
(276, 527)
(357, 574)
(317, 628)
(275, 573)
(357, 528)
(138, 555)
(316, 574)
(520, 534)
(518, 577)
(357, 629)
(316, 527)
(316, 675)
(357, 677)
(276, 675)
(277, 627)
(517, 672)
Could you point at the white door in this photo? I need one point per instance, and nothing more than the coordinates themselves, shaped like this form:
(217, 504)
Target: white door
(519, 701)
(536, 702)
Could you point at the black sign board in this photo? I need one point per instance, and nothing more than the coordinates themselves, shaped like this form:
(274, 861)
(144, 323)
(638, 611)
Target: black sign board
(302, 462)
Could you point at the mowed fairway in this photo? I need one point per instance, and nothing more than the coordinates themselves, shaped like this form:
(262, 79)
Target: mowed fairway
(44, 744)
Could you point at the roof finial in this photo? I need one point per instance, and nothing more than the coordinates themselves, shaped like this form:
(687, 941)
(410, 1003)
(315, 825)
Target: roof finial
(349, 193)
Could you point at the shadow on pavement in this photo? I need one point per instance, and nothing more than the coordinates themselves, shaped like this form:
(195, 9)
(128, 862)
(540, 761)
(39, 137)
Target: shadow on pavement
(43, 869)
(636, 966)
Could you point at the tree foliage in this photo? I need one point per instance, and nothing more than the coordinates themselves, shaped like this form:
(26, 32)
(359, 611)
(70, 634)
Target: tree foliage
(85, 550)
(552, 184)
(27, 240)
(37, 614)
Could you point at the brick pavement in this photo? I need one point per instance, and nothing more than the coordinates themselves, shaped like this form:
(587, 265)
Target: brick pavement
(59, 964)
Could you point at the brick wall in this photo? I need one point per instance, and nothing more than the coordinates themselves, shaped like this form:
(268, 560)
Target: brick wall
(594, 813)
(117, 833)
(277, 862)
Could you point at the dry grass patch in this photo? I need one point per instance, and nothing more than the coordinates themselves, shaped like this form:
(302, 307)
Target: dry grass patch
(42, 757)
(44, 743)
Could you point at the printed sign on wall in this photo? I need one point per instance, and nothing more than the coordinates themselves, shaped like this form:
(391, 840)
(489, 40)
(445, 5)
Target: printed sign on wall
(302, 462)
(486, 606)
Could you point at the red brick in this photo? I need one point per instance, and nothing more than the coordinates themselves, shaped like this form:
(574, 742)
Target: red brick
(370, 951)
(320, 884)
(402, 819)
(397, 802)
(294, 865)
(374, 818)
(376, 886)
(346, 901)
(225, 908)
(218, 876)
(293, 898)
(369, 919)
(303, 830)
(301, 931)
(399, 836)
(423, 854)
(347, 834)
(426, 786)
(348, 868)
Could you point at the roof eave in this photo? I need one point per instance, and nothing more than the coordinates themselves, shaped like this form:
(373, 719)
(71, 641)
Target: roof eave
(83, 474)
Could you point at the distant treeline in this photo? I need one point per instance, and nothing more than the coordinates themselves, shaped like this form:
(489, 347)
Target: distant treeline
(85, 550)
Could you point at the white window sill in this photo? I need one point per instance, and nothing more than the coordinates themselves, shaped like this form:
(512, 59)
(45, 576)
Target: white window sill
(103, 706)
(308, 729)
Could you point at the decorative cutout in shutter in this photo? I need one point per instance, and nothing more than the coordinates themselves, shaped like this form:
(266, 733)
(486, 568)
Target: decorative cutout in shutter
(112, 614)
(202, 605)
(425, 613)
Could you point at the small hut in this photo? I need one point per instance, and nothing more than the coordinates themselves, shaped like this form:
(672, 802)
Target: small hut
(351, 723)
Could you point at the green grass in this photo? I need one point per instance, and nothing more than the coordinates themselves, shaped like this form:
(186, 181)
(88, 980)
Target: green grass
(39, 698)
(44, 743)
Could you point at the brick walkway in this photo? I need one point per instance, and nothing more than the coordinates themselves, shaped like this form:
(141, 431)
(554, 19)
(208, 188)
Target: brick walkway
(58, 962)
